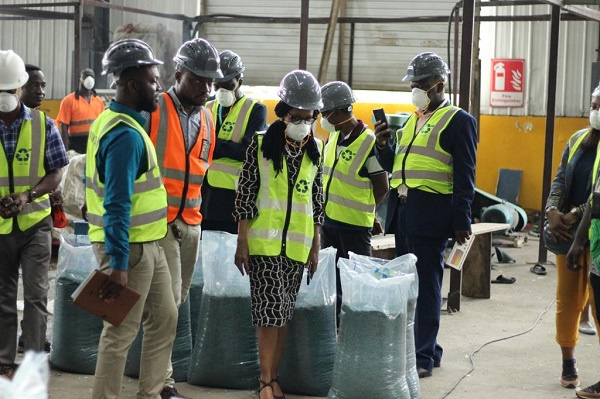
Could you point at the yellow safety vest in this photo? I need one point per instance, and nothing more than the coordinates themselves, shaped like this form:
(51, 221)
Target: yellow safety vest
(420, 161)
(149, 200)
(349, 197)
(285, 223)
(575, 140)
(27, 170)
(594, 230)
(224, 172)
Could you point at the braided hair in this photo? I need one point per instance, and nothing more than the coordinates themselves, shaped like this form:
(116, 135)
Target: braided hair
(274, 141)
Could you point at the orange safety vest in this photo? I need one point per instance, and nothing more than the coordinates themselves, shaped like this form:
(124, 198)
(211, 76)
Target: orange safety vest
(182, 172)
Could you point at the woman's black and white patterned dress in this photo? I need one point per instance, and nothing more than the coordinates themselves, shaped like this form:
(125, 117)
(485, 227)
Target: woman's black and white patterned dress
(274, 280)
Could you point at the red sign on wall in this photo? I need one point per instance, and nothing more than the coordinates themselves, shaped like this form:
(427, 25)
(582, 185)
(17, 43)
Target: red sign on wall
(507, 82)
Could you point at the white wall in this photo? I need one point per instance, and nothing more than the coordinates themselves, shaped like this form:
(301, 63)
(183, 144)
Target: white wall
(531, 40)
(47, 44)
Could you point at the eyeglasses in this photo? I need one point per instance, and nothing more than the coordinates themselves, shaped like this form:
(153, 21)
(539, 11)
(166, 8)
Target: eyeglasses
(296, 120)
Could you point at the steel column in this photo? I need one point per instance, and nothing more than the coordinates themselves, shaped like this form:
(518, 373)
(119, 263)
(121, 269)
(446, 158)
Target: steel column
(550, 114)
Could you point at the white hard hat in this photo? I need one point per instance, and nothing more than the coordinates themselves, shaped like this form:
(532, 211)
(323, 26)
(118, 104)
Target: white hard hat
(12, 71)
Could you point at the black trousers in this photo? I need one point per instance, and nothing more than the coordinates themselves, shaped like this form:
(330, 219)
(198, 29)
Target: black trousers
(344, 240)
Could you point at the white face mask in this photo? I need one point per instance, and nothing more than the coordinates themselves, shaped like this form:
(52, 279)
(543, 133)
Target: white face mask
(297, 132)
(595, 119)
(89, 83)
(419, 98)
(8, 102)
(328, 126)
(225, 97)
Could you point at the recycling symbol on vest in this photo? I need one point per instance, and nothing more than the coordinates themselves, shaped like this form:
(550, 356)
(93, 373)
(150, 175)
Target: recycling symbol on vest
(23, 154)
(347, 155)
(227, 126)
(426, 129)
(302, 186)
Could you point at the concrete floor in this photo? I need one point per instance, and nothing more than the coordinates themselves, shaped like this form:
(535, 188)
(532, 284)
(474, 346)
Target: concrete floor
(519, 357)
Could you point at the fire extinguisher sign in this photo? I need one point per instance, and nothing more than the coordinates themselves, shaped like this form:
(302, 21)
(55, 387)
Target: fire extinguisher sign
(507, 82)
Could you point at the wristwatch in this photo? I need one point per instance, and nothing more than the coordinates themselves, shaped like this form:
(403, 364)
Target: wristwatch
(32, 195)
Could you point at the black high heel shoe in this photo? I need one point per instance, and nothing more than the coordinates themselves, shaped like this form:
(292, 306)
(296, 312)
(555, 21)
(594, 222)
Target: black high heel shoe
(262, 385)
(276, 379)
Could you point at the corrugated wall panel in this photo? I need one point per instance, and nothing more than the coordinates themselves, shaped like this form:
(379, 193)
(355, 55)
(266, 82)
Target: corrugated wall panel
(381, 53)
(47, 43)
(578, 42)
(185, 7)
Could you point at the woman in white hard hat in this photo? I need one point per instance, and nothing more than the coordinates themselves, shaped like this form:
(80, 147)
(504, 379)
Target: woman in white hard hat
(279, 209)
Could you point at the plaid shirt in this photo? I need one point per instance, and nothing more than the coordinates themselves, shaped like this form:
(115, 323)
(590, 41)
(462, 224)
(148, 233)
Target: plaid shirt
(55, 154)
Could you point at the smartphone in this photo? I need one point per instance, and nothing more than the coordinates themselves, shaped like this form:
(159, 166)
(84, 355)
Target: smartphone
(308, 276)
(379, 115)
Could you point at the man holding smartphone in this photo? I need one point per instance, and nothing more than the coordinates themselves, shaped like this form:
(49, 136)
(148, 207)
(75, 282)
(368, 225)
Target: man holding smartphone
(31, 157)
(432, 161)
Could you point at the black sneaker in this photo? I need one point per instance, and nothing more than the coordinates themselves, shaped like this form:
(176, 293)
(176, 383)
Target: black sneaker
(21, 345)
(593, 391)
(170, 393)
(424, 373)
(569, 378)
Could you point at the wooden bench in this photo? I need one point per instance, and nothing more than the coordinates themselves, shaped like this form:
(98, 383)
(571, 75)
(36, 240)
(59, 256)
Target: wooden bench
(474, 280)
(383, 247)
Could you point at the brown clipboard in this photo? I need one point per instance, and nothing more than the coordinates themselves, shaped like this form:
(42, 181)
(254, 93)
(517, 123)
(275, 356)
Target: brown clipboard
(86, 297)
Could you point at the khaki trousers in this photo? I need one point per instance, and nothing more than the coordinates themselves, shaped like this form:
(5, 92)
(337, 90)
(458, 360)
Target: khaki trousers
(572, 290)
(181, 256)
(149, 275)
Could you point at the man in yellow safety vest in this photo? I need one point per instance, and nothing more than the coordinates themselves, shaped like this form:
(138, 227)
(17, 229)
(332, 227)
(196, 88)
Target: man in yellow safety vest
(127, 212)
(31, 157)
(237, 118)
(354, 182)
(432, 161)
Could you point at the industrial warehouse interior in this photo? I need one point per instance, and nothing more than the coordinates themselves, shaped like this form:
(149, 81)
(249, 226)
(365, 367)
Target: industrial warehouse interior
(347, 199)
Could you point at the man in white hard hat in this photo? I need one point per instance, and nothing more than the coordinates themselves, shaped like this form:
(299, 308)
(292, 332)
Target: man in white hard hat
(31, 157)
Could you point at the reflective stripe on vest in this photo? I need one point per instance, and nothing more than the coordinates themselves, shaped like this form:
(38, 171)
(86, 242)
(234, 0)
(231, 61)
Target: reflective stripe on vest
(575, 140)
(182, 171)
(428, 166)
(268, 234)
(594, 229)
(224, 172)
(149, 200)
(27, 170)
(349, 197)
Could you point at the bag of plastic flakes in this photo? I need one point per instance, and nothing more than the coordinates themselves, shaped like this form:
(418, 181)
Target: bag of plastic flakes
(412, 377)
(225, 353)
(371, 350)
(75, 333)
(307, 364)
